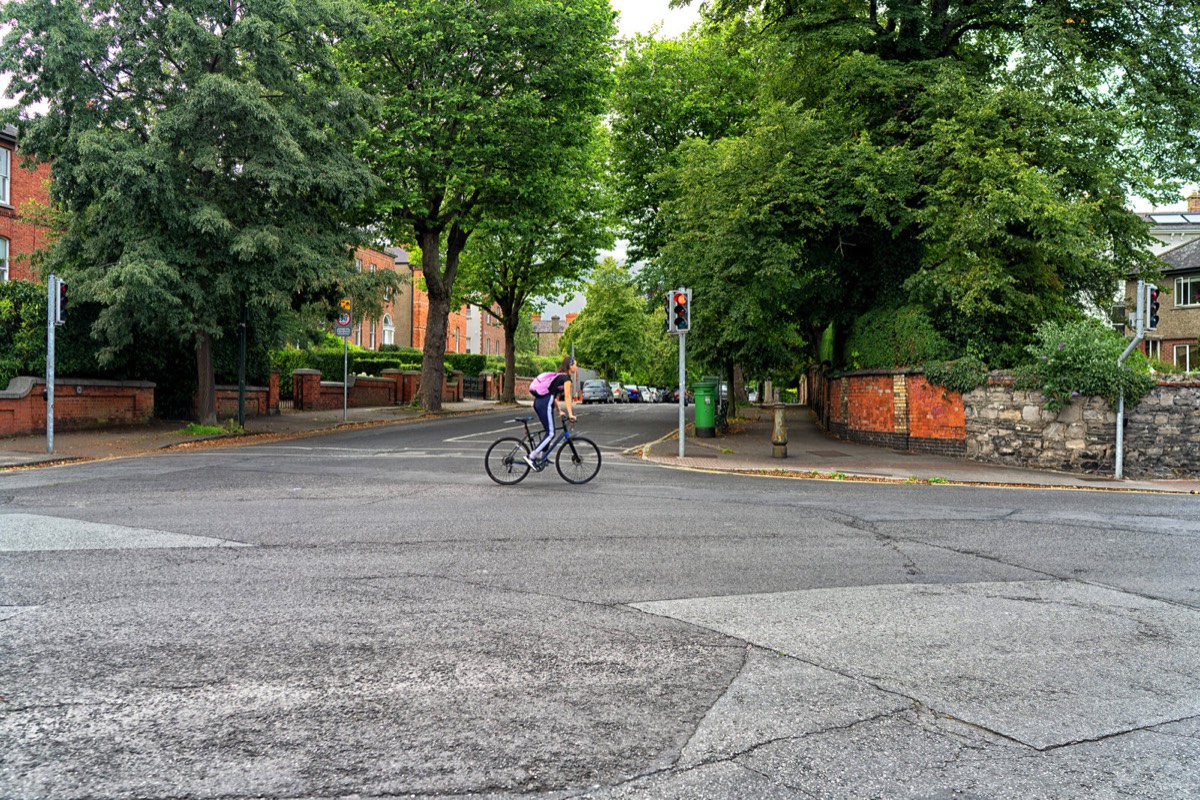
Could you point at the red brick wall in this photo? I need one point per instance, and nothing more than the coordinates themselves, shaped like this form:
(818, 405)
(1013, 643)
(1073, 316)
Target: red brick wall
(934, 412)
(871, 406)
(78, 404)
(899, 410)
(257, 401)
(310, 393)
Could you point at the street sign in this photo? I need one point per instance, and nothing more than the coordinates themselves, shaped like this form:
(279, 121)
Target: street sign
(343, 324)
(344, 319)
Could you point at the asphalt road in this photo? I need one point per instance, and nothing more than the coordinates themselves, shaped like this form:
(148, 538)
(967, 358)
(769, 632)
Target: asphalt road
(366, 614)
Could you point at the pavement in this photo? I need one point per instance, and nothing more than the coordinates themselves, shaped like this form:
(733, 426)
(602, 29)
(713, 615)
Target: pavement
(746, 448)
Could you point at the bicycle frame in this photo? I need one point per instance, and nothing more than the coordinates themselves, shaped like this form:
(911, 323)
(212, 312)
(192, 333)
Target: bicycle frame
(561, 436)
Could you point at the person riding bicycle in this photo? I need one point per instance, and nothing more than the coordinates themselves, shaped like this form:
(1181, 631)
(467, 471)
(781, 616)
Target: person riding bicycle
(545, 404)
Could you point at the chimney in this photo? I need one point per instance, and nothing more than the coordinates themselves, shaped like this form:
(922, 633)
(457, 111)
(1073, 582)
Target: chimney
(1194, 203)
(554, 320)
(571, 318)
(537, 317)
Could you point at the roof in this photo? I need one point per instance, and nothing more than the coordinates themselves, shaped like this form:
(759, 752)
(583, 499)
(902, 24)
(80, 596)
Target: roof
(1169, 218)
(9, 133)
(1185, 257)
(552, 325)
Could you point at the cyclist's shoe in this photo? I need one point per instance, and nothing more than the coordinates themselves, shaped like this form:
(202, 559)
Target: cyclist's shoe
(533, 465)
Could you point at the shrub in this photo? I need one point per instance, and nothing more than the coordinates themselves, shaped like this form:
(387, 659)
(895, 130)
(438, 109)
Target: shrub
(1080, 358)
(894, 337)
(961, 375)
(22, 330)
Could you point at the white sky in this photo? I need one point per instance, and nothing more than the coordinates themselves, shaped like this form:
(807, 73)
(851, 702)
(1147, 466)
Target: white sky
(639, 16)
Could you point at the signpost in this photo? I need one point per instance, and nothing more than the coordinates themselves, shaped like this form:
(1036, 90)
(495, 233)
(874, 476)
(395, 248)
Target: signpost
(345, 322)
(56, 314)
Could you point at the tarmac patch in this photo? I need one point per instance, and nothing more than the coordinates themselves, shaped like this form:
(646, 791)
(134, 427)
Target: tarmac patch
(34, 532)
(1044, 663)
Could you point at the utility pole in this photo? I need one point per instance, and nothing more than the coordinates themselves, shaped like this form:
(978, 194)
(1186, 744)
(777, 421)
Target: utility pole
(1139, 332)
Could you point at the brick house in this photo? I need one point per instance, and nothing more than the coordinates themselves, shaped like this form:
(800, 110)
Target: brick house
(1176, 340)
(20, 237)
(394, 326)
(484, 333)
(549, 332)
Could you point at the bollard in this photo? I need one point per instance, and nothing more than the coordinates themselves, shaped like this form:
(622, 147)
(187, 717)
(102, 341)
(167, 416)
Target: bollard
(779, 434)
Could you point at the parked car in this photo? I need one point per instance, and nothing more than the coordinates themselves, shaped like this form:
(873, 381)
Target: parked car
(687, 400)
(635, 396)
(619, 393)
(655, 394)
(644, 393)
(596, 391)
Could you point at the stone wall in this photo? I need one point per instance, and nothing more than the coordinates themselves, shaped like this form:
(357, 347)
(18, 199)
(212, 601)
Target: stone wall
(1162, 435)
(1001, 424)
(1006, 425)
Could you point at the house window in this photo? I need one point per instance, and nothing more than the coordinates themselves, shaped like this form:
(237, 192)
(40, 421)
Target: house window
(5, 172)
(389, 330)
(1187, 291)
(1154, 348)
(3, 259)
(358, 265)
(372, 345)
(1187, 356)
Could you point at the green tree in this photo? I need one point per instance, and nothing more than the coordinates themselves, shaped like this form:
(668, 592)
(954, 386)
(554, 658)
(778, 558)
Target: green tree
(610, 333)
(201, 151)
(542, 247)
(701, 85)
(474, 99)
(972, 158)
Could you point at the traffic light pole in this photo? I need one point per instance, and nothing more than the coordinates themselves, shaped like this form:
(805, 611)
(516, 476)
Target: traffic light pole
(682, 390)
(51, 319)
(1139, 331)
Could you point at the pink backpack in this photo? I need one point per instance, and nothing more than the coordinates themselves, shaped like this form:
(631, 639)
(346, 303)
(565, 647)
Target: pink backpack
(540, 386)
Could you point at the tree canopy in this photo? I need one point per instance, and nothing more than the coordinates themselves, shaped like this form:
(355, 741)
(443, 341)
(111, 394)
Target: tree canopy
(201, 152)
(972, 159)
(543, 246)
(475, 99)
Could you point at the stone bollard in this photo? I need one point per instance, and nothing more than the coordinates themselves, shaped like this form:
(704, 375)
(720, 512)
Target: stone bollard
(779, 434)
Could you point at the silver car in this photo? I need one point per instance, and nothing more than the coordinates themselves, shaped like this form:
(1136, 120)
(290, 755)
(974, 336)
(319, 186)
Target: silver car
(596, 391)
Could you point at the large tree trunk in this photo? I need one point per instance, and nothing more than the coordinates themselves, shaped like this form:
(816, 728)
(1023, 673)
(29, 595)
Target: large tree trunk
(509, 395)
(206, 381)
(433, 371)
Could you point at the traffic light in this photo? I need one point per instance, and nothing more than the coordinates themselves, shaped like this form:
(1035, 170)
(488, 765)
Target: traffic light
(60, 306)
(679, 310)
(1151, 306)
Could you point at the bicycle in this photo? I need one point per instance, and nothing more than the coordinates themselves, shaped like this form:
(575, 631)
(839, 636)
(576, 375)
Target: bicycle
(721, 422)
(577, 459)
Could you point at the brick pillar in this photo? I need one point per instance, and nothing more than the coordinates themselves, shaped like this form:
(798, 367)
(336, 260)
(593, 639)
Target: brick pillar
(306, 389)
(900, 403)
(410, 381)
(273, 393)
(396, 377)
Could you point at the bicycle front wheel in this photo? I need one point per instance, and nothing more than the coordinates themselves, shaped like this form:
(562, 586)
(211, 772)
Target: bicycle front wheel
(578, 460)
(505, 461)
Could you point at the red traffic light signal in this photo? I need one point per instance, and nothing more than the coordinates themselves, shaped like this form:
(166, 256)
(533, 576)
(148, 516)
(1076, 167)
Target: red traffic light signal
(1152, 306)
(680, 310)
(60, 303)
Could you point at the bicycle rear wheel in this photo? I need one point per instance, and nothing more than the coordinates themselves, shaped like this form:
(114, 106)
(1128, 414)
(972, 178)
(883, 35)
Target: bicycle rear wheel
(505, 461)
(578, 460)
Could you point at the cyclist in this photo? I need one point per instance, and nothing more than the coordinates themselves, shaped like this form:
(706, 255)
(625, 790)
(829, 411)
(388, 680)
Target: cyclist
(544, 406)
